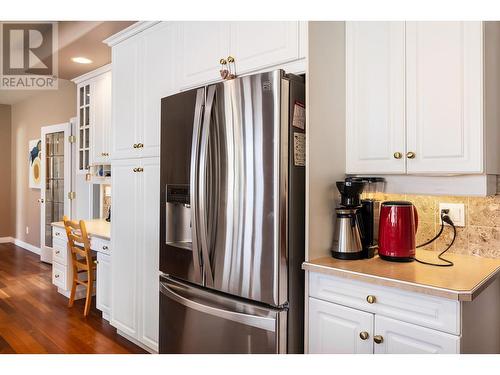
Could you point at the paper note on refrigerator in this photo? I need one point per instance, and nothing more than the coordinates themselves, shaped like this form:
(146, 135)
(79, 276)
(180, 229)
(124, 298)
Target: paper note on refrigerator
(299, 149)
(299, 115)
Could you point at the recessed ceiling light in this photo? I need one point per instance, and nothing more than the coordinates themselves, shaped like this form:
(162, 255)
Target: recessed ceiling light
(81, 60)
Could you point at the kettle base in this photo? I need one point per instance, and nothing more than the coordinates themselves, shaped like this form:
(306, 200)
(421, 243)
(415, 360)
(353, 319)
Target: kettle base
(396, 259)
(348, 256)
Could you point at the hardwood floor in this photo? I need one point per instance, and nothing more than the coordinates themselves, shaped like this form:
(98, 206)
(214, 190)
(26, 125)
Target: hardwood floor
(34, 317)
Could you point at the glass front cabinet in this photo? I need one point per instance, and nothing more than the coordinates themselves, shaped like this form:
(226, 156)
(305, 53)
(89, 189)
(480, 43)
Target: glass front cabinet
(94, 119)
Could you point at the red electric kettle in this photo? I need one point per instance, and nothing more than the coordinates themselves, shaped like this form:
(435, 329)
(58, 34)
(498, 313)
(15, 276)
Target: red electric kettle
(397, 229)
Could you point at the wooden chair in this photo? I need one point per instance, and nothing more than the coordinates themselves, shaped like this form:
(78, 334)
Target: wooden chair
(81, 259)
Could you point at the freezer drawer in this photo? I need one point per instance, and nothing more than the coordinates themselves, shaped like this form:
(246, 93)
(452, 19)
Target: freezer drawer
(193, 320)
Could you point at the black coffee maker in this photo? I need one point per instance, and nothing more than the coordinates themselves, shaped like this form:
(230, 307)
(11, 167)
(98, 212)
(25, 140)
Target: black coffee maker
(356, 227)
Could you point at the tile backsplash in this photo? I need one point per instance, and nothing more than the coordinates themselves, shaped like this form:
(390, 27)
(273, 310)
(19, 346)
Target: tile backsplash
(479, 237)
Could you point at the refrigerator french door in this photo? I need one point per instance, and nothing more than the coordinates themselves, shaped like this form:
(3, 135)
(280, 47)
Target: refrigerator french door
(232, 217)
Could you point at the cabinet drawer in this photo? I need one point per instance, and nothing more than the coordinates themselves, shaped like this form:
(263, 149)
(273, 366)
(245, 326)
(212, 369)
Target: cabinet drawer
(60, 276)
(100, 245)
(60, 252)
(417, 308)
(59, 233)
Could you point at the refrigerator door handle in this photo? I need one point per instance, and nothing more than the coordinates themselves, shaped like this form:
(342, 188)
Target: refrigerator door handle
(198, 118)
(202, 186)
(268, 324)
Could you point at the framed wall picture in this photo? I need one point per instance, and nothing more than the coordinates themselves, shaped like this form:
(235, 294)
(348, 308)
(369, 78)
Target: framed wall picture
(35, 163)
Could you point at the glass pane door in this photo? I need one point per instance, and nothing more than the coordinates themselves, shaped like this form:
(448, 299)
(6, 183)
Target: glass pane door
(84, 124)
(54, 182)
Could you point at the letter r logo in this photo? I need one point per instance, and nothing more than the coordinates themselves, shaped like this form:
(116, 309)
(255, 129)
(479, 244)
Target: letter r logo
(27, 48)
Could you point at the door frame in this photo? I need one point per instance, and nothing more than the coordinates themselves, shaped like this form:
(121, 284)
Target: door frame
(45, 251)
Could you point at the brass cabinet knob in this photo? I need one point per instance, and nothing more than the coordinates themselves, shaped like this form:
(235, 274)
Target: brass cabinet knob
(364, 335)
(398, 155)
(223, 61)
(57, 251)
(140, 145)
(378, 339)
(410, 155)
(230, 59)
(56, 276)
(135, 145)
(140, 169)
(135, 169)
(96, 262)
(370, 299)
(105, 247)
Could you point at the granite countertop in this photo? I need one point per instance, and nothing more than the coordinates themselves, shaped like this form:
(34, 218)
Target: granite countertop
(95, 228)
(464, 281)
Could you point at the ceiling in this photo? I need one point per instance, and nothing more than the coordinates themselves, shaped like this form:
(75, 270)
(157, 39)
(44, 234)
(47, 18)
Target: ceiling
(76, 39)
(82, 38)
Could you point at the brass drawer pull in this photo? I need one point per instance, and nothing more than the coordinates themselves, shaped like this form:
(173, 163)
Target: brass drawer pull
(364, 335)
(378, 339)
(371, 299)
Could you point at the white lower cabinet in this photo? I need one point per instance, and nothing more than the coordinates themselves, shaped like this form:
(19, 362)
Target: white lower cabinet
(338, 329)
(404, 338)
(103, 287)
(134, 233)
(347, 317)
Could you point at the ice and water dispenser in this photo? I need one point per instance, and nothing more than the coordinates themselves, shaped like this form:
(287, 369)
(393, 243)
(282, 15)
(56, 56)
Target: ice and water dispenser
(178, 216)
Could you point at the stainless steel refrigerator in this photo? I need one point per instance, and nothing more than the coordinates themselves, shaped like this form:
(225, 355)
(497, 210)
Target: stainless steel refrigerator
(233, 216)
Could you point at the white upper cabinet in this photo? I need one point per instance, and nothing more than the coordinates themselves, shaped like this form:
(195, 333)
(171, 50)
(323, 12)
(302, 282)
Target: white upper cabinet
(375, 98)
(93, 118)
(101, 132)
(200, 46)
(144, 73)
(444, 66)
(125, 129)
(415, 98)
(254, 45)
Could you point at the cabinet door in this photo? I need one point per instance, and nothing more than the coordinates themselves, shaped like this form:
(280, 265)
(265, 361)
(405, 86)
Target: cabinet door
(259, 44)
(126, 96)
(200, 47)
(375, 103)
(125, 242)
(101, 126)
(103, 288)
(150, 216)
(158, 68)
(335, 329)
(444, 96)
(405, 338)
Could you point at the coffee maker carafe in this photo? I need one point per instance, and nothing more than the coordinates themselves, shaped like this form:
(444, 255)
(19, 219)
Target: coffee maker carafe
(356, 227)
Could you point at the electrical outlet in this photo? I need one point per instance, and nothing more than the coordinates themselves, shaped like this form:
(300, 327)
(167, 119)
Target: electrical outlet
(456, 213)
(27, 230)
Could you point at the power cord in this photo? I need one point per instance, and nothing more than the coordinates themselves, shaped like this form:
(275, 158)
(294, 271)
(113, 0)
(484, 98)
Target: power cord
(448, 263)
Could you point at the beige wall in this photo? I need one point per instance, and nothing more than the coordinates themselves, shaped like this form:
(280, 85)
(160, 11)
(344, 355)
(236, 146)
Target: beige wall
(5, 209)
(28, 117)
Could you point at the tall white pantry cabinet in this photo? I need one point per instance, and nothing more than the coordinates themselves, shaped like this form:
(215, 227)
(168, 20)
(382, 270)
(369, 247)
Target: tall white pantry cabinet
(142, 61)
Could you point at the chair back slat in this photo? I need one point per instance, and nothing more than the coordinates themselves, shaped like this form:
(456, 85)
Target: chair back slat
(79, 244)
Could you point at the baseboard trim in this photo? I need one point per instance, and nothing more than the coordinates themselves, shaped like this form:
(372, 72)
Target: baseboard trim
(6, 240)
(135, 341)
(26, 246)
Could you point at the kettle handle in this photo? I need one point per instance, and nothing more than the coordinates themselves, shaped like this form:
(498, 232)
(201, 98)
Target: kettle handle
(415, 216)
